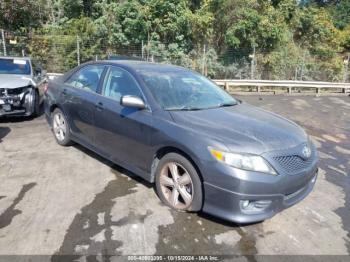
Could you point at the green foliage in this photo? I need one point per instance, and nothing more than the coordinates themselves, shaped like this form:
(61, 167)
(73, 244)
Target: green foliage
(291, 39)
(341, 14)
(74, 8)
(345, 39)
(19, 14)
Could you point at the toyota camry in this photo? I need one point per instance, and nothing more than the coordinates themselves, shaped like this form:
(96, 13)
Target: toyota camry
(203, 149)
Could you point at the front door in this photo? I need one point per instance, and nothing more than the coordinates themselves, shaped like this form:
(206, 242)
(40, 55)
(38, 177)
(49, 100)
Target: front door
(123, 133)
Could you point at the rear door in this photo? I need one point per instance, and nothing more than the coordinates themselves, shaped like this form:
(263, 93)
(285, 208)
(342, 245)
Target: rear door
(79, 99)
(123, 133)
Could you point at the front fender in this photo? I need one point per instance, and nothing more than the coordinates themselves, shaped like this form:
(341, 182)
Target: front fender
(193, 144)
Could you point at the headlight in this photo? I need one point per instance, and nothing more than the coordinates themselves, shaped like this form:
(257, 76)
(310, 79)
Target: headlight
(244, 161)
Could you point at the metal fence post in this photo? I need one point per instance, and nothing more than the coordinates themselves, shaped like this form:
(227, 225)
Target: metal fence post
(3, 41)
(148, 49)
(252, 63)
(346, 68)
(78, 50)
(142, 54)
(226, 86)
(204, 61)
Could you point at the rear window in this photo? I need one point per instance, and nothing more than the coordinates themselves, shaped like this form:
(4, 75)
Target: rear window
(14, 66)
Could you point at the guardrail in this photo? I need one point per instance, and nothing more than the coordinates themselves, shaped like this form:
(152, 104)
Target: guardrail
(261, 84)
(289, 85)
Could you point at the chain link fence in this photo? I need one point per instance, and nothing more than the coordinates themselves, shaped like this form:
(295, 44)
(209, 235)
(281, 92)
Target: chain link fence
(60, 53)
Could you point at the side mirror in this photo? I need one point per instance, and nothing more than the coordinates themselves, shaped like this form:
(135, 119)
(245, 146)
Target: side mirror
(132, 101)
(38, 72)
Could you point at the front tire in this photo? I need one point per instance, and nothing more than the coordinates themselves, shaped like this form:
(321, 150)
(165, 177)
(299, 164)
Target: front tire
(36, 109)
(178, 184)
(60, 128)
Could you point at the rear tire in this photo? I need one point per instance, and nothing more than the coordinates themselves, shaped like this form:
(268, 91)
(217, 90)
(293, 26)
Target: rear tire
(60, 128)
(178, 184)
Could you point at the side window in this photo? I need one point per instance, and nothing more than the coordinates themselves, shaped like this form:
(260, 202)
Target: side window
(86, 78)
(119, 83)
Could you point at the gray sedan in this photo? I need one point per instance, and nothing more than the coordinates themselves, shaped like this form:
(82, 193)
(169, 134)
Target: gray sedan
(203, 149)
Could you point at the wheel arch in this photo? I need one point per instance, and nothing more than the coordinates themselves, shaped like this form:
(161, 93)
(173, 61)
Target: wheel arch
(53, 107)
(171, 149)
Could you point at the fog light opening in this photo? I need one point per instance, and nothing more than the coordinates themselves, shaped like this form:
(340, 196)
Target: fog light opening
(245, 203)
(255, 205)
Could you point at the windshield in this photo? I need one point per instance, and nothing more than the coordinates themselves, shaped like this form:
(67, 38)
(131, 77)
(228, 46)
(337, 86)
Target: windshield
(185, 90)
(14, 66)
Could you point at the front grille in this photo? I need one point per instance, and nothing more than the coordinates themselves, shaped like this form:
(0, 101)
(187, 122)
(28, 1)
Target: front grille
(12, 91)
(293, 164)
(15, 91)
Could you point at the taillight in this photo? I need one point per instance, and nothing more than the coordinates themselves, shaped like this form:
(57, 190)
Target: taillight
(46, 87)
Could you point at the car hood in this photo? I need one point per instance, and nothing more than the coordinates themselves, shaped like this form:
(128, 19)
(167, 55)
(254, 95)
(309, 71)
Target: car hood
(13, 81)
(243, 128)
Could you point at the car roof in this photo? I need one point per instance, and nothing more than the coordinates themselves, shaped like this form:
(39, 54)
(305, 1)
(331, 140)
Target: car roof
(15, 57)
(139, 65)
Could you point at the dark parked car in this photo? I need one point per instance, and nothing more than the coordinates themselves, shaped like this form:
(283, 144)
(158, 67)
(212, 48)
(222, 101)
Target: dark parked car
(203, 149)
(19, 86)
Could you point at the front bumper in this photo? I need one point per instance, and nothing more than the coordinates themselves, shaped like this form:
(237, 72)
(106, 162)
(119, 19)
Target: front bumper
(246, 196)
(228, 205)
(20, 102)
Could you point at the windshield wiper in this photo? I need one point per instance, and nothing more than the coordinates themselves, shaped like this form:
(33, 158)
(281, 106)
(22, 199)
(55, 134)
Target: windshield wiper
(189, 108)
(226, 104)
(184, 108)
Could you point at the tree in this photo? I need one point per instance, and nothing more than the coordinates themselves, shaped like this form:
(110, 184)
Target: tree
(77, 8)
(289, 38)
(341, 14)
(19, 14)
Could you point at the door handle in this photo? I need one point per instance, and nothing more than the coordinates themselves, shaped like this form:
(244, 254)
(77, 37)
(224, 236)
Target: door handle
(64, 92)
(99, 106)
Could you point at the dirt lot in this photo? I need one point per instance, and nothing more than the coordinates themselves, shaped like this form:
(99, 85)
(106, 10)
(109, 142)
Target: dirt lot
(56, 200)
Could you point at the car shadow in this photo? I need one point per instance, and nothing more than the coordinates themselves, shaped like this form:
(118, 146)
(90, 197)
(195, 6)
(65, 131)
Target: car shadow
(4, 131)
(225, 222)
(115, 168)
(16, 119)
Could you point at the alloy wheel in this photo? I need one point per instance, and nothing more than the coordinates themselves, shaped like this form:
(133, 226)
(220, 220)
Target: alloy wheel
(176, 185)
(59, 126)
